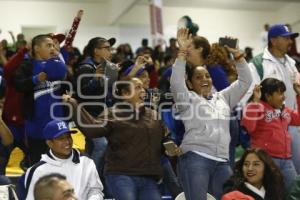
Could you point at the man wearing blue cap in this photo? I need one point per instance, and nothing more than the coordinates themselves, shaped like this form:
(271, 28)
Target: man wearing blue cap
(275, 63)
(80, 171)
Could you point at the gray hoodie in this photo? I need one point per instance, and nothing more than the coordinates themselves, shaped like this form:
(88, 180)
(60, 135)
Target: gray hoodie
(207, 121)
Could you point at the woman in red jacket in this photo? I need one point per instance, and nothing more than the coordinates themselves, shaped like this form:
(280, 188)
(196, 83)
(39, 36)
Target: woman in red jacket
(267, 120)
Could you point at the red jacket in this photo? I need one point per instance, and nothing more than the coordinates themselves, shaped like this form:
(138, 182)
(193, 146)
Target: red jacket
(12, 108)
(236, 195)
(268, 127)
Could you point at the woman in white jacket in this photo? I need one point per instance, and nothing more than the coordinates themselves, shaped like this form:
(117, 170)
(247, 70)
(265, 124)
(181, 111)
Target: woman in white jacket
(203, 166)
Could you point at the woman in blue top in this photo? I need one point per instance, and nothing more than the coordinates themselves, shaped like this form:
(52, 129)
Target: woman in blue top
(203, 167)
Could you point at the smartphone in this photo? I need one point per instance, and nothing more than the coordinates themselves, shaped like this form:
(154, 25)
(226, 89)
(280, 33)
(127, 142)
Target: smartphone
(232, 43)
(170, 147)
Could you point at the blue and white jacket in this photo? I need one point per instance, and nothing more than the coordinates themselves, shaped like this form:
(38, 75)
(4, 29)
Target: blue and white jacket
(79, 170)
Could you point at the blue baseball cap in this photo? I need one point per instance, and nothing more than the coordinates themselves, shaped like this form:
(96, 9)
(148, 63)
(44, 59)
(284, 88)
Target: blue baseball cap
(280, 30)
(56, 128)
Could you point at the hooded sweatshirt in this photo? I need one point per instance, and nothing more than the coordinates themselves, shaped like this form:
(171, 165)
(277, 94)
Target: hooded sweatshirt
(206, 121)
(79, 170)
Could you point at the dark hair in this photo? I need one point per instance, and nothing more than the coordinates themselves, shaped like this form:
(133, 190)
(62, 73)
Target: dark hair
(219, 56)
(123, 85)
(272, 179)
(43, 188)
(190, 72)
(37, 40)
(92, 44)
(270, 44)
(145, 42)
(167, 58)
(200, 41)
(269, 86)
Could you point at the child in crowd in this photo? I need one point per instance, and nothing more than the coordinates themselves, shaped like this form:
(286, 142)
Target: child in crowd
(267, 119)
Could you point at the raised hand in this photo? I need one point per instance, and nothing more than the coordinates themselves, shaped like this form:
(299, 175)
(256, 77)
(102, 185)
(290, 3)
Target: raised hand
(256, 93)
(140, 61)
(184, 39)
(148, 59)
(79, 14)
(297, 88)
(236, 52)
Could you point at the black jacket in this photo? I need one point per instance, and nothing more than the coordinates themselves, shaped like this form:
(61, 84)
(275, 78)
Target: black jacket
(24, 84)
(90, 86)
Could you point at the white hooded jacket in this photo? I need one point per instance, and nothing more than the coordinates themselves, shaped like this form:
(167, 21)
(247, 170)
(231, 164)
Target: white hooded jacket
(79, 170)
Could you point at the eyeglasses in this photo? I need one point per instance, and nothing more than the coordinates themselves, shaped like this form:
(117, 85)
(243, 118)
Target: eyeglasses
(105, 47)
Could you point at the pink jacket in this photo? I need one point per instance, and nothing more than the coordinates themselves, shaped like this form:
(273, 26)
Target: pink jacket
(268, 127)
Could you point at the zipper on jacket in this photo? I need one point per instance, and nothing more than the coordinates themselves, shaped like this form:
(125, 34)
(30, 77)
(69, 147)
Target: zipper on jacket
(284, 134)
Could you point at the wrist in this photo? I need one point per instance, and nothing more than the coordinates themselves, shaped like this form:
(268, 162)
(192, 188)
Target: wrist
(256, 100)
(182, 54)
(238, 56)
(182, 49)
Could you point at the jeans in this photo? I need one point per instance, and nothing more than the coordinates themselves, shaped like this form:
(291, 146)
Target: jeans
(200, 175)
(234, 134)
(170, 179)
(133, 187)
(295, 133)
(287, 169)
(95, 149)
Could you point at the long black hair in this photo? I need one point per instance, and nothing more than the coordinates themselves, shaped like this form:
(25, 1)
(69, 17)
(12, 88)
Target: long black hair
(272, 179)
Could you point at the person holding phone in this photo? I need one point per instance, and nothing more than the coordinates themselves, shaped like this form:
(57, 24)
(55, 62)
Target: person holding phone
(204, 167)
(135, 135)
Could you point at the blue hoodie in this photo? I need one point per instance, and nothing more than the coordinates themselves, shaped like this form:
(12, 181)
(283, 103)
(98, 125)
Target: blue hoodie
(46, 94)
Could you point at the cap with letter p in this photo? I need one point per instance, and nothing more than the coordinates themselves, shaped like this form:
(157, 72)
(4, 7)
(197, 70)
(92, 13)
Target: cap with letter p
(280, 30)
(56, 128)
